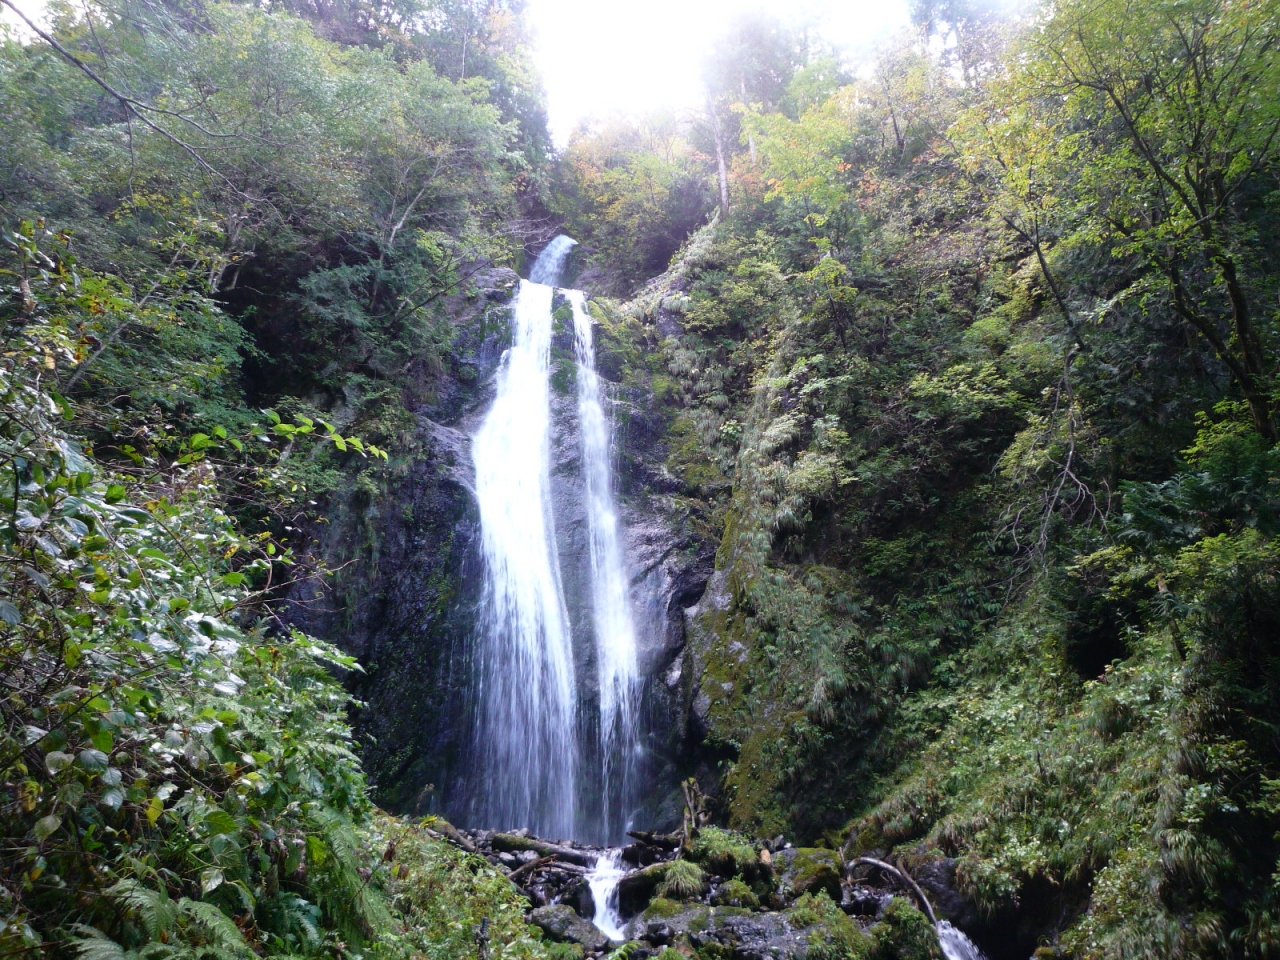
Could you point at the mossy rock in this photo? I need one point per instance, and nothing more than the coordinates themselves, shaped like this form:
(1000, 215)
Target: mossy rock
(810, 870)
(638, 888)
(660, 908)
(904, 933)
(726, 854)
(560, 922)
(735, 893)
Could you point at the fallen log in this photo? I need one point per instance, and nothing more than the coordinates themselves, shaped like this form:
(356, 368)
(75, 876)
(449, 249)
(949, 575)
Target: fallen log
(443, 829)
(509, 843)
(663, 841)
(529, 867)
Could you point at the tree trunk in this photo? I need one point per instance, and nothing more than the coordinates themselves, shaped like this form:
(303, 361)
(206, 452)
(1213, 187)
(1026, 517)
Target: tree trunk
(720, 162)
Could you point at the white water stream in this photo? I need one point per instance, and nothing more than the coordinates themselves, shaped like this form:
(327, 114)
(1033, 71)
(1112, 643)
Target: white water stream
(526, 736)
(615, 634)
(603, 880)
(529, 735)
(955, 945)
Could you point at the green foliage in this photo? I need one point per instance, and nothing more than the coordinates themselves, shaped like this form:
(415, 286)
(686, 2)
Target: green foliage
(682, 880)
(974, 383)
(443, 895)
(631, 193)
(177, 768)
(155, 736)
(723, 852)
(735, 893)
(904, 933)
(834, 936)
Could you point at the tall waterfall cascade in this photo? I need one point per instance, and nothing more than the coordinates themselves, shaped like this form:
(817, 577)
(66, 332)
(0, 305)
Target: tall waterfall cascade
(535, 716)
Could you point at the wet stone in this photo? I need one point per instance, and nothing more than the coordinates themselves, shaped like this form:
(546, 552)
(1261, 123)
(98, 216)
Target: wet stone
(561, 922)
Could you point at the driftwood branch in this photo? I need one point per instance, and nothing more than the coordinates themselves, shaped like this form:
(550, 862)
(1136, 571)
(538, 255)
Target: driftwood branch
(901, 875)
(663, 841)
(529, 867)
(444, 830)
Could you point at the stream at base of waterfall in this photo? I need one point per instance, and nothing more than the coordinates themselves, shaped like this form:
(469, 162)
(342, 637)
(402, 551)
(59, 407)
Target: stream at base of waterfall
(537, 725)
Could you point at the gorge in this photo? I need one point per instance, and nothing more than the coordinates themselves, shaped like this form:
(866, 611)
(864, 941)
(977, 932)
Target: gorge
(860, 541)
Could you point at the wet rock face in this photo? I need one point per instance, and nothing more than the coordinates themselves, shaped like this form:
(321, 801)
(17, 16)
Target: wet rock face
(559, 922)
(408, 575)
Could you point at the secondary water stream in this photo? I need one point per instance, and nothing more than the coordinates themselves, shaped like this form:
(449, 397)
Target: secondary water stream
(530, 736)
(955, 945)
(612, 619)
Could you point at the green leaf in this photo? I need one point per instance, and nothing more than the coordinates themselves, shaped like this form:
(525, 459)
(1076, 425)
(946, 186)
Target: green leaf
(9, 613)
(210, 880)
(220, 822)
(45, 826)
(115, 493)
(92, 760)
(317, 852)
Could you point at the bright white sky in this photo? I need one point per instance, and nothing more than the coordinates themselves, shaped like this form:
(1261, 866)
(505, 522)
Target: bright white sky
(639, 56)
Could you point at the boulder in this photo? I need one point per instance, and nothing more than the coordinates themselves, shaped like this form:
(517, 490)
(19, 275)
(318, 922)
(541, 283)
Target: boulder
(560, 922)
(802, 870)
(637, 888)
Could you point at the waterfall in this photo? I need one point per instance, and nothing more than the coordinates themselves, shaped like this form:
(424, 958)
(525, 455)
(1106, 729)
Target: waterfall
(603, 881)
(613, 625)
(955, 945)
(527, 750)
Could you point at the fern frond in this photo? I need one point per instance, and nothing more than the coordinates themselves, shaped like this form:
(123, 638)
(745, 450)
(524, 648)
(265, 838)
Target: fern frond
(221, 931)
(153, 907)
(96, 945)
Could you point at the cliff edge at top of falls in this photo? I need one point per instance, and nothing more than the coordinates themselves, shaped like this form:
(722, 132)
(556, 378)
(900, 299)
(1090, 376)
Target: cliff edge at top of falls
(404, 598)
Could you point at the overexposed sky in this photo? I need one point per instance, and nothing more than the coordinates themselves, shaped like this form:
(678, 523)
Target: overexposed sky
(639, 56)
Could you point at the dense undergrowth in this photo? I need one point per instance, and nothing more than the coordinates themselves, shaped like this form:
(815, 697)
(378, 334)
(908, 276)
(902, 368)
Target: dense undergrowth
(973, 380)
(178, 771)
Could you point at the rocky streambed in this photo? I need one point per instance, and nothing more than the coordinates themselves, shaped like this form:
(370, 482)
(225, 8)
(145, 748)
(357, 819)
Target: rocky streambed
(714, 895)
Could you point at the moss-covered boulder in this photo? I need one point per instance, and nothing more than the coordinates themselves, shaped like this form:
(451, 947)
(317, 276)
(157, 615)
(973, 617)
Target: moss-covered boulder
(904, 933)
(815, 930)
(812, 870)
(561, 922)
(828, 933)
(734, 893)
